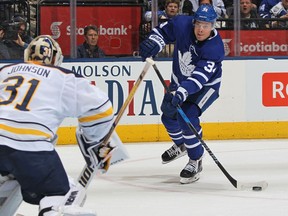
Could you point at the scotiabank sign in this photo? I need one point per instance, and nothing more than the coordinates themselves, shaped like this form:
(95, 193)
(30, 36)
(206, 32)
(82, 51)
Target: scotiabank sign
(275, 89)
(118, 26)
(257, 42)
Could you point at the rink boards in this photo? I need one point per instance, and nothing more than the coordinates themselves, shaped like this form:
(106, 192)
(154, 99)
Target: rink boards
(253, 100)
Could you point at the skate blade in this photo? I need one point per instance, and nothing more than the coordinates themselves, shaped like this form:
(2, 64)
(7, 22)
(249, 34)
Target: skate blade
(190, 180)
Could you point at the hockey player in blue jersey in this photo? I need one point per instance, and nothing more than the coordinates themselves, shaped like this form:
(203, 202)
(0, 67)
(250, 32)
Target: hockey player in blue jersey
(195, 81)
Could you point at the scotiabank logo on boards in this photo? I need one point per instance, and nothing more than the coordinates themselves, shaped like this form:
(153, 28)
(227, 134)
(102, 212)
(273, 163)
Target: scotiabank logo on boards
(275, 89)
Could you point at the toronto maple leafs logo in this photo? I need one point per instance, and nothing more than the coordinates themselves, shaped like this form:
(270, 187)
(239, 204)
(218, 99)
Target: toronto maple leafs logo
(185, 65)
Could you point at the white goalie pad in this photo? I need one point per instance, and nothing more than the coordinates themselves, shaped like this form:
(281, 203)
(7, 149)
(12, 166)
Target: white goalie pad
(120, 153)
(10, 196)
(68, 205)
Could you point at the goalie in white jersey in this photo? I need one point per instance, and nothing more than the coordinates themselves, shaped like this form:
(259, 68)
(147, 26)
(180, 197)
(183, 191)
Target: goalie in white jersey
(35, 97)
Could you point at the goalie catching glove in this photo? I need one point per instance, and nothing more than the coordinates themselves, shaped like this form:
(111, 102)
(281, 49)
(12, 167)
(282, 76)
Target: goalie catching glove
(96, 154)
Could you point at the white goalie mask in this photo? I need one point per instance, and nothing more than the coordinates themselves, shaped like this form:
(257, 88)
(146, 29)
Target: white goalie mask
(44, 49)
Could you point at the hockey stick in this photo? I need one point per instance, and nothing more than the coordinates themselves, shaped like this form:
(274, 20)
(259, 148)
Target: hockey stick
(257, 186)
(88, 173)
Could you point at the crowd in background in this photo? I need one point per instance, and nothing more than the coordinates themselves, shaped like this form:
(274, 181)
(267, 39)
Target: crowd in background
(251, 12)
(18, 26)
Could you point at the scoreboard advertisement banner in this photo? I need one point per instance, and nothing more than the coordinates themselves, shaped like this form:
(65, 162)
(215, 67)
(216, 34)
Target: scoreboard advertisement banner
(119, 31)
(118, 26)
(257, 42)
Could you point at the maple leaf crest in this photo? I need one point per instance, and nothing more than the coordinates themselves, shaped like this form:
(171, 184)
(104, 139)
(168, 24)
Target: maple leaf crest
(185, 65)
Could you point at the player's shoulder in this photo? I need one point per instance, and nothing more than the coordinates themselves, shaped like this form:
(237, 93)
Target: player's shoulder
(66, 71)
(7, 66)
(215, 36)
(57, 69)
(214, 47)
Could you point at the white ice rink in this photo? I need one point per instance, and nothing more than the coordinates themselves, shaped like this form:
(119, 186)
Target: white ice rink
(143, 186)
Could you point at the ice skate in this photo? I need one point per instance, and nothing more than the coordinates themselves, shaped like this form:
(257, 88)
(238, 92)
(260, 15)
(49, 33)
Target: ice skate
(173, 153)
(191, 171)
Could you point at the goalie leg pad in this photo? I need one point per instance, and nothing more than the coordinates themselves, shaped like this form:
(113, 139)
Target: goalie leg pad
(68, 205)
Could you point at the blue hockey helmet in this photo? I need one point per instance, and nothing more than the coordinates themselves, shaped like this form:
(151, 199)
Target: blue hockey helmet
(206, 13)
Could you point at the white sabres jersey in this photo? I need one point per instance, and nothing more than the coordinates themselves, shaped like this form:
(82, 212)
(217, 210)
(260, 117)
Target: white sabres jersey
(35, 99)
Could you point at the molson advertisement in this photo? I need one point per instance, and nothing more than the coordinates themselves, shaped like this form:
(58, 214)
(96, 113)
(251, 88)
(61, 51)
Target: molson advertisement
(117, 79)
(118, 26)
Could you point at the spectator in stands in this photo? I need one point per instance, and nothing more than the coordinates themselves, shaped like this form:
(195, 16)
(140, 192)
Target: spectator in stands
(186, 7)
(266, 6)
(247, 14)
(22, 27)
(171, 10)
(219, 6)
(13, 40)
(90, 49)
(4, 53)
(280, 10)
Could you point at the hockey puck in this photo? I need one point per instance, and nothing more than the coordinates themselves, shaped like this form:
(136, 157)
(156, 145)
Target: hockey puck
(257, 188)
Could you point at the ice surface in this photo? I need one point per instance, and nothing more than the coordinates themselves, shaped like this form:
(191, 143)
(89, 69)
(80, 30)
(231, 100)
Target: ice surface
(143, 186)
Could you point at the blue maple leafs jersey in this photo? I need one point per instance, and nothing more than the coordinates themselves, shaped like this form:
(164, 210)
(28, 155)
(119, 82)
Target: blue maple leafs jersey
(195, 64)
(265, 7)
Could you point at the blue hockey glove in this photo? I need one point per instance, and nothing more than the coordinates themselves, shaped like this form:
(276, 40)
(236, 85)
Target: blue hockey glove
(151, 46)
(167, 107)
(179, 97)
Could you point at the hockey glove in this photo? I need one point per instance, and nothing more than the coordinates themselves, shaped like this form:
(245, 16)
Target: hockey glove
(179, 97)
(167, 107)
(96, 154)
(151, 46)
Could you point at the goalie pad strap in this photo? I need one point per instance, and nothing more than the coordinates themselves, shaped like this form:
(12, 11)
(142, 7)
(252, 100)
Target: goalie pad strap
(70, 204)
(41, 213)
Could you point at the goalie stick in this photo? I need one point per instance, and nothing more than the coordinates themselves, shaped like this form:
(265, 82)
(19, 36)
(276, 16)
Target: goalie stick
(88, 173)
(239, 185)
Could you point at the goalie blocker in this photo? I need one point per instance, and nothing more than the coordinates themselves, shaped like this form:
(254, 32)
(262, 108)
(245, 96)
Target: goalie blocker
(96, 154)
